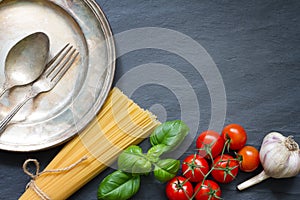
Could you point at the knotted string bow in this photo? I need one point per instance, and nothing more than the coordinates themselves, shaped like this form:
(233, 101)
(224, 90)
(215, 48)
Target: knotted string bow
(33, 176)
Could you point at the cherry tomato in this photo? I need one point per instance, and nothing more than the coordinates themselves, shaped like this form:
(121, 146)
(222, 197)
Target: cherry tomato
(236, 134)
(225, 168)
(179, 188)
(210, 190)
(249, 156)
(210, 141)
(194, 167)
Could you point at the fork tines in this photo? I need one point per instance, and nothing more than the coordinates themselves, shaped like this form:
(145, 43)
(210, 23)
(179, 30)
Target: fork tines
(65, 58)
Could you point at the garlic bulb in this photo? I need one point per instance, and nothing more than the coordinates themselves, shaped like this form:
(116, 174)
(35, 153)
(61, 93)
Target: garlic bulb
(280, 158)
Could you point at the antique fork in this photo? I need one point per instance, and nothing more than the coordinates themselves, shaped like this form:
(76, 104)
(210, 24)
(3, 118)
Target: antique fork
(55, 70)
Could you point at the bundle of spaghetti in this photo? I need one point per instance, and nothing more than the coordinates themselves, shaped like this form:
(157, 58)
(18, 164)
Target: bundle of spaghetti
(119, 124)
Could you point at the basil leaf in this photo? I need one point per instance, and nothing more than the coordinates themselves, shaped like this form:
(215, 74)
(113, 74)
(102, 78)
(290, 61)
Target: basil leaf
(118, 185)
(133, 160)
(170, 133)
(156, 151)
(166, 169)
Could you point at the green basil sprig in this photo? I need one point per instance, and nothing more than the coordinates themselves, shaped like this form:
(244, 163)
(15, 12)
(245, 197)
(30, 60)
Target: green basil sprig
(170, 133)
(132, 162)
(155, 152)
(118, 185)
(166, 169)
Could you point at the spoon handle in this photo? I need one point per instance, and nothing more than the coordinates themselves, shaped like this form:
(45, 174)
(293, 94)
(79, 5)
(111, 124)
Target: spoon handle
(15, 110)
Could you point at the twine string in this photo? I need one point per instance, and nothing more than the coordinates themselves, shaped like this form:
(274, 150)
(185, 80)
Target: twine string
(37, 173)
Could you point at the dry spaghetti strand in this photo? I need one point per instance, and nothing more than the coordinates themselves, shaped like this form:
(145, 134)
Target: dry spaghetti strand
(119, 124)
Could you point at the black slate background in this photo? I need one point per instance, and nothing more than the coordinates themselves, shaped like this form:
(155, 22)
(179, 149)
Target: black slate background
(255, 45)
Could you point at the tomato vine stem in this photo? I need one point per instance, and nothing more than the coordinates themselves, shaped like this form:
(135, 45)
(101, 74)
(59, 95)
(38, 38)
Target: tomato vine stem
(207, 148)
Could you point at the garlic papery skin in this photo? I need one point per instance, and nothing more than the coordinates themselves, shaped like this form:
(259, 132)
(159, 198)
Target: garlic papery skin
(280, 158)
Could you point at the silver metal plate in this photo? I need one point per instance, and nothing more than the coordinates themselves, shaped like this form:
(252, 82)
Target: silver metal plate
(56, 116)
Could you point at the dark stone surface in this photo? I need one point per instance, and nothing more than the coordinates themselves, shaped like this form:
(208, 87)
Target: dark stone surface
(255, 45)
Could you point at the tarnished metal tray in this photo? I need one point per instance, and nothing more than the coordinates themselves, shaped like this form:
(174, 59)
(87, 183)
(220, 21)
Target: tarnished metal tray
(56, 116)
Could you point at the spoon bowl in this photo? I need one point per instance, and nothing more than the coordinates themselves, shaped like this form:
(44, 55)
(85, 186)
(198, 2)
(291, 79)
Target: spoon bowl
(26, 61)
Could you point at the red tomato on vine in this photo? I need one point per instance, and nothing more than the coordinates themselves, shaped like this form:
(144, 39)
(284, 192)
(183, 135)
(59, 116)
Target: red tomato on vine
(225, 169)
(179, 188)
(194, 167)
(249, 157)
(210, 144)
(209, 190)
(236, 135)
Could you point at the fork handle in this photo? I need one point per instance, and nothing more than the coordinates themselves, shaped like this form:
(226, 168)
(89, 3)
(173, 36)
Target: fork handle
(15, 110)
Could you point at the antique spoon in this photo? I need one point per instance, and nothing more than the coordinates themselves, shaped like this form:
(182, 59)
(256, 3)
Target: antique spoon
(26, 61)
